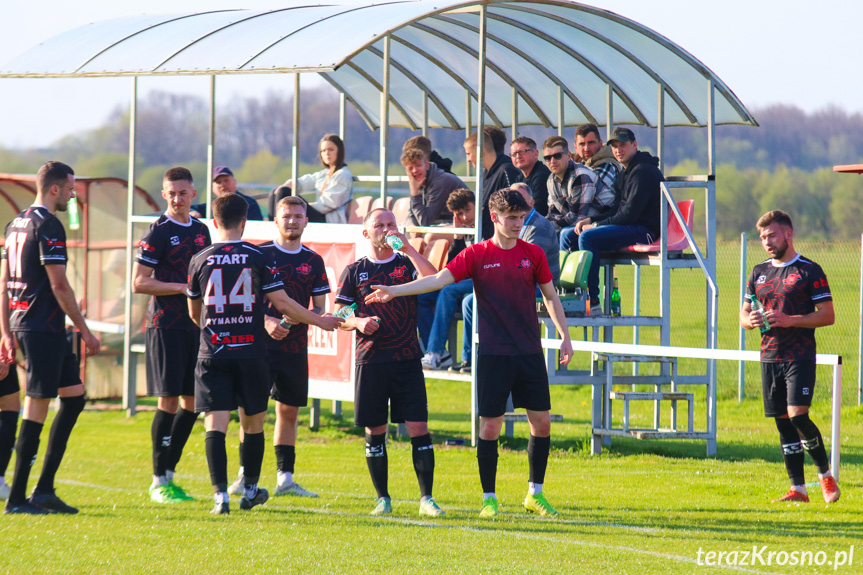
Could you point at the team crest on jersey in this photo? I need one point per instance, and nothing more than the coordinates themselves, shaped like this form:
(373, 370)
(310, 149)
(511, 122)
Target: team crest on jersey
(304, 269)
(200, 240)
(524, 264)
(364, 276)
(227, 248)
(805, 391)
(175, 240)
(399, 272)
(54, 243)
(761, 279)
(792, 279)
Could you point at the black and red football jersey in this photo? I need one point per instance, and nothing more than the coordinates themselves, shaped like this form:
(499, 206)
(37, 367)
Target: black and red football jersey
(396, 339)
(304, 275)
(168, 246)
(232, 277)
(794, 288)
(34, 239)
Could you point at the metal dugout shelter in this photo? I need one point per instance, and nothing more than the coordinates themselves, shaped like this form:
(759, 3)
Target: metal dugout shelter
(422, 64)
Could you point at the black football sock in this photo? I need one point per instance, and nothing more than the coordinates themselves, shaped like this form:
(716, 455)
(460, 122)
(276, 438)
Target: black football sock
(537, 458)
(184, 423)
(792, 450)
(25, 449)
(8, 426)
(160, 433)
(486, 457)
(813, 443)
(61, 429)
(217, 460)
(423, 457)
(376, 459)
(253, 458)
(286, 456)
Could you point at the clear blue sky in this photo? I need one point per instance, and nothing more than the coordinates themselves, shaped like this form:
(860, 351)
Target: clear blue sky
(767, 51)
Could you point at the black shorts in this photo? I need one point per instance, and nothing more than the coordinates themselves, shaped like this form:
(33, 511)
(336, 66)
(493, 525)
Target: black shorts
(171, 357)
(225, 384)
(289, 375)
(9, 384)
(399, 383)
(787, 383)
(524, 376)
(51, 364)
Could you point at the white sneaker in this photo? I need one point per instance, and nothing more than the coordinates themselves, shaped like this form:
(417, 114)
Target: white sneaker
(4, 491)
(433, 360)
(293, 488)
(237, 487)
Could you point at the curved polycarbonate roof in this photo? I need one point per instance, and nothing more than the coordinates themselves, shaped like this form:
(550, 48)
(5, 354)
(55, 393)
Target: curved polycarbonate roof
(532, 48)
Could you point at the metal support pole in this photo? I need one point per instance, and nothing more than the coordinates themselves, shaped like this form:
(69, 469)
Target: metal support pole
(561, 120)
(211, 148)
(836, 419)
(741, 338)
(385, 117)
(860, 333)
(343, 109)
(515, 114)
(425, 126)
(636, 311)
(711, 129)
(609, 111)
(295, 148)
(483, 22)
(467, 129)
(660, 126)
(130, 396)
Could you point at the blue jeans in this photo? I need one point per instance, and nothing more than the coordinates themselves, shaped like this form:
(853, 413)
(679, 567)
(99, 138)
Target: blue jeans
(608, 239)
(568, 239)
(467, 334)
(425, 315)
(448, 301)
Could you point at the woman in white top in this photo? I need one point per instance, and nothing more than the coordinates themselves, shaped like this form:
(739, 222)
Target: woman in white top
(333, 186)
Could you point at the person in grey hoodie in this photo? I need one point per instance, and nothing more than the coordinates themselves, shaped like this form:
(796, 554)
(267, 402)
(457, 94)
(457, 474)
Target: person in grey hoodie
(636, 220)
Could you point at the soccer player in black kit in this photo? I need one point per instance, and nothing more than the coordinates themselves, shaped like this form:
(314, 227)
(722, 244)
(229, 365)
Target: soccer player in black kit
(388, 368)
(226, 283)
(796, 299)
(39, 294)
(305, 278)
(161, 270)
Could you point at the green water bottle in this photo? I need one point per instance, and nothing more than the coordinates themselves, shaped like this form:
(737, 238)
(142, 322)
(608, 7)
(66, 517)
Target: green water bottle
(615, 300)
(346, 311)
(72, 208)
(759, 307)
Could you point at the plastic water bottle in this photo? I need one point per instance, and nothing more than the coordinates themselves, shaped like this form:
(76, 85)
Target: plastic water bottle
(757, 306)
(615, 300)
(394, 242)
(346, 311)
(283, 323)
(72, 209)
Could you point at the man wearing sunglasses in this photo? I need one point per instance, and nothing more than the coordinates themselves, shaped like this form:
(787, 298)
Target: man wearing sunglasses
(525, 157)
(574, 193)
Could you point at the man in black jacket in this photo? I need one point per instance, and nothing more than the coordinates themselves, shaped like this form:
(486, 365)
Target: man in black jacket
(500, 174)
(637, 217)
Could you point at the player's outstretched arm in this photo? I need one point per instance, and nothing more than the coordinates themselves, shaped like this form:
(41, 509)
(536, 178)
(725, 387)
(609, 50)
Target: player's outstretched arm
(291, 308)
(66, 298)
(555, 312)
(144, 282)
(423, 285)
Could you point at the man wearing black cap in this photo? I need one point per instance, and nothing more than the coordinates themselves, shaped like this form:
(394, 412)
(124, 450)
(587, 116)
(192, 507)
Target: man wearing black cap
(225, 183)
(637, 217)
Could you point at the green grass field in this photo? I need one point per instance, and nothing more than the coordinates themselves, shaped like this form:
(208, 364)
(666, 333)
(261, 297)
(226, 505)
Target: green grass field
(641, 507)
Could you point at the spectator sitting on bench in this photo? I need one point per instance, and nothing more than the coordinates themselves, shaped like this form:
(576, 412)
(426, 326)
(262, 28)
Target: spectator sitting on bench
(637, 217)
(536, 230)
(590, 152)
(432, 156)
(573, 193)
(462, 204)
(525, 157)
(430, 187)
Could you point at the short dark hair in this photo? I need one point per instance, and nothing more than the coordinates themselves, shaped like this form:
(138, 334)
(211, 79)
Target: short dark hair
(507, 200)
(372, 212)
(419, 142)
(774, 217)
(585, 129)
(291, 201)
(178, 174)
(412, 156)
(524, 140)
(340, 153)
(498, 137)
(52, 174)
(486, 140)
(554, 142)
(460, 199)
(229, 211)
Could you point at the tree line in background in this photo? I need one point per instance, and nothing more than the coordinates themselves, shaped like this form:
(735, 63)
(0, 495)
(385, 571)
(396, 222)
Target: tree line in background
(785, 163)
